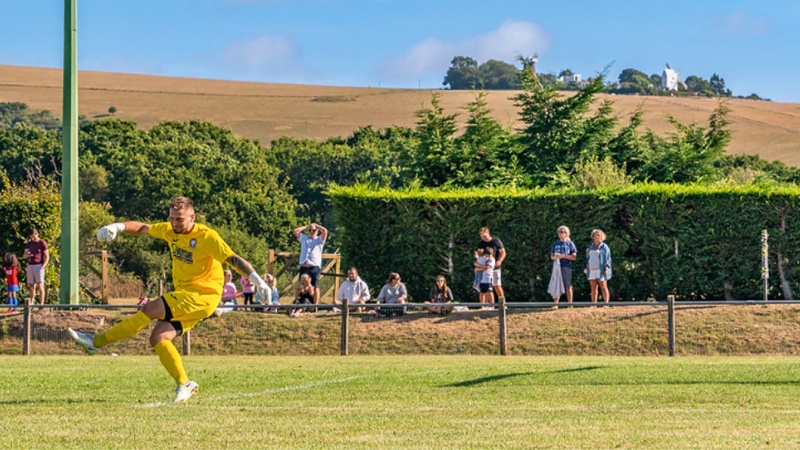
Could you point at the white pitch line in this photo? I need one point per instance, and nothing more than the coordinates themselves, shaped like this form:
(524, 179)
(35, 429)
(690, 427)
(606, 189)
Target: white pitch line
(264, 392)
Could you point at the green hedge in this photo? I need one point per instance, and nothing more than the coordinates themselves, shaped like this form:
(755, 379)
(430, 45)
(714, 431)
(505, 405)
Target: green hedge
(26, 207)
(698, 242)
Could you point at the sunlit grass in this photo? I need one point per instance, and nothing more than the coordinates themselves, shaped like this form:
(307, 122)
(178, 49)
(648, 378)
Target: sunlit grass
(402, 402)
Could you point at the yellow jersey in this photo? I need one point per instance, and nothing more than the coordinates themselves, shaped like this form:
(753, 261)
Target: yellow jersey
(197, 257)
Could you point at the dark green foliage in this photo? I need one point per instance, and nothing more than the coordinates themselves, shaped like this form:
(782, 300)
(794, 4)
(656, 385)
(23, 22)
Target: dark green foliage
(29, 153)
(632, 81)
(14, 113)
(462, 74)
(559, 130)
(697, 242)
(465, 73)
(228, 178)
(308, 167)
(689, 154)
(25, 206)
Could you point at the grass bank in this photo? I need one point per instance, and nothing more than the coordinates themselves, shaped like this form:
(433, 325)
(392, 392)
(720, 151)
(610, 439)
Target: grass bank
(614, 331)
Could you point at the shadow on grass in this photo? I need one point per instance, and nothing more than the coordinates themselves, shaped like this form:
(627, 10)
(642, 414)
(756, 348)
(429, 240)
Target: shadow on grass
(663, 311)
(482, 380)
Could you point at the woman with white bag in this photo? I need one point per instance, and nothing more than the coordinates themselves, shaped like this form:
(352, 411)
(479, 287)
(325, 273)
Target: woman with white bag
(562, 253)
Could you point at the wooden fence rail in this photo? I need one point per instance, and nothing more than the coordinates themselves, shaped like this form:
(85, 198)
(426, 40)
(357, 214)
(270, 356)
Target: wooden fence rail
(502, 316)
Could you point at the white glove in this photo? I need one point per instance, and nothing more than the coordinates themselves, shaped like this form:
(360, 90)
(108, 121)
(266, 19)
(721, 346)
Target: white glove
(263, 291)
(109, 232)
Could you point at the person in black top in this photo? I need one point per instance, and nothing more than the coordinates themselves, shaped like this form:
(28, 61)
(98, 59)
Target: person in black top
(487, 241)
(303, 296)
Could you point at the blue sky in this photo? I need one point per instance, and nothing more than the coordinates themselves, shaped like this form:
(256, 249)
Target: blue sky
(410, 43)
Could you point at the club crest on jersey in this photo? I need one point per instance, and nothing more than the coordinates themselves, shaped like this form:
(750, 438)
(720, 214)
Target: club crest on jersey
(193, 243)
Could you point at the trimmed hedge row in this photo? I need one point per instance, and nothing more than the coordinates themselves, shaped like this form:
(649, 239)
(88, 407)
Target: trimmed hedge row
(698, 242)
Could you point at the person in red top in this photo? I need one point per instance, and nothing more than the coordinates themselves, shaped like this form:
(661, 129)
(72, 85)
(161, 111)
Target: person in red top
(38, 256)
(11, 268)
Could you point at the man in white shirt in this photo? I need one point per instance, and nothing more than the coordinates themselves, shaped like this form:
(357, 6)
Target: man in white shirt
(312, 239)
(354, 290)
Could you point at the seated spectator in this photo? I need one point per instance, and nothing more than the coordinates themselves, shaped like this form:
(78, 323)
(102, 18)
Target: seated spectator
(229, 295)
(392, 293)
(440, 294)
(353, 290)
(303, 296)
(275, 297)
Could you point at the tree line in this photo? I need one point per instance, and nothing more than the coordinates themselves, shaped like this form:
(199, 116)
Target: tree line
(465, 73)
(255, 195)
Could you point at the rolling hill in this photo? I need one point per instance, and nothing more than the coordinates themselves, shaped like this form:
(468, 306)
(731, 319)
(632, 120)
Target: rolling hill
(266, 111)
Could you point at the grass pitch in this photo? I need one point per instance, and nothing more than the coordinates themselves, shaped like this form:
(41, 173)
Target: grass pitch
(402, 402)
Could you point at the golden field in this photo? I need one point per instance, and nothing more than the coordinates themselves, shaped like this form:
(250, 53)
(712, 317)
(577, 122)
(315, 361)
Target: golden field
(266, 111)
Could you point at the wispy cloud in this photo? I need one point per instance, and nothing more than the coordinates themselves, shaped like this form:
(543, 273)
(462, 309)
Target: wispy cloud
(267, 57)
(262, 51)
(739, 22)
(511, 39)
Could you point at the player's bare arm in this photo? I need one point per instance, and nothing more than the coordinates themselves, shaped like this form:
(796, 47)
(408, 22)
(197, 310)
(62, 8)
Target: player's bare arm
(240, 264)
(245, 268)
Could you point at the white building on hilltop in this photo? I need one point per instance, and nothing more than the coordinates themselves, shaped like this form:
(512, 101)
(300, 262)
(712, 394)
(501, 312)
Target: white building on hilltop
(670, 80)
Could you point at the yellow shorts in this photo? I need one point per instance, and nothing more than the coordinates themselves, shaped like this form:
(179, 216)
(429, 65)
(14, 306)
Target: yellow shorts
(189, 307)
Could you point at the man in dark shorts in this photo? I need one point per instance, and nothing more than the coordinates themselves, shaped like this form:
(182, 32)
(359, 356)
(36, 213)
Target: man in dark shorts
(38, 255)
(312, 239)
(487, 241)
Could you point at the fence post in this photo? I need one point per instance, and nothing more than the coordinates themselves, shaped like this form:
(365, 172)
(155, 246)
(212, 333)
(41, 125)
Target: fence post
(26, 328)
(104, 276)
(345, 316)
(671, 324)
(187, 343)
(503, 330)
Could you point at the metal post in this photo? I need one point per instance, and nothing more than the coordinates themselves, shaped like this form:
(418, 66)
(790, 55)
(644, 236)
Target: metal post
(671, 324)
(26, 328)
(345, 315)
(503, 329)
(765, 261)
(70, 266)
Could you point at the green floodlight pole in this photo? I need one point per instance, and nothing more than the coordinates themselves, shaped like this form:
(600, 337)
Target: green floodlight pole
(69, 293)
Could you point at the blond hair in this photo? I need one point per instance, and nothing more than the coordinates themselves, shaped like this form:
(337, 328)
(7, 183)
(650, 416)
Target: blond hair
(181, 203)
(600, 233)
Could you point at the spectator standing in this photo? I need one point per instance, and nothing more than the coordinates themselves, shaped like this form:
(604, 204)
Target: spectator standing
(353, 290)
(598, 265)
(392, 293)
(303, 296)
(11, 268)
(38, 257)
(247, 290)
(499, 255)
(312, 239)
(485, 264)
(564, 251)
(440, 294)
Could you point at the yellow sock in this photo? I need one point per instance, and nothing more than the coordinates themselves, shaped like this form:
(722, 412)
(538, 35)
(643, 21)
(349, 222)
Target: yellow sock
(171, 360)
(122, 330)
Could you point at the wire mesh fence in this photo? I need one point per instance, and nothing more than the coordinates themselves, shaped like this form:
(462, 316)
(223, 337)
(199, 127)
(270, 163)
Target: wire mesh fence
(624, 328)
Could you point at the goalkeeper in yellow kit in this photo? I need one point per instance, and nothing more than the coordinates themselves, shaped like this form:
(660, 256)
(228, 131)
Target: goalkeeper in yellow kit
(197, 256)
